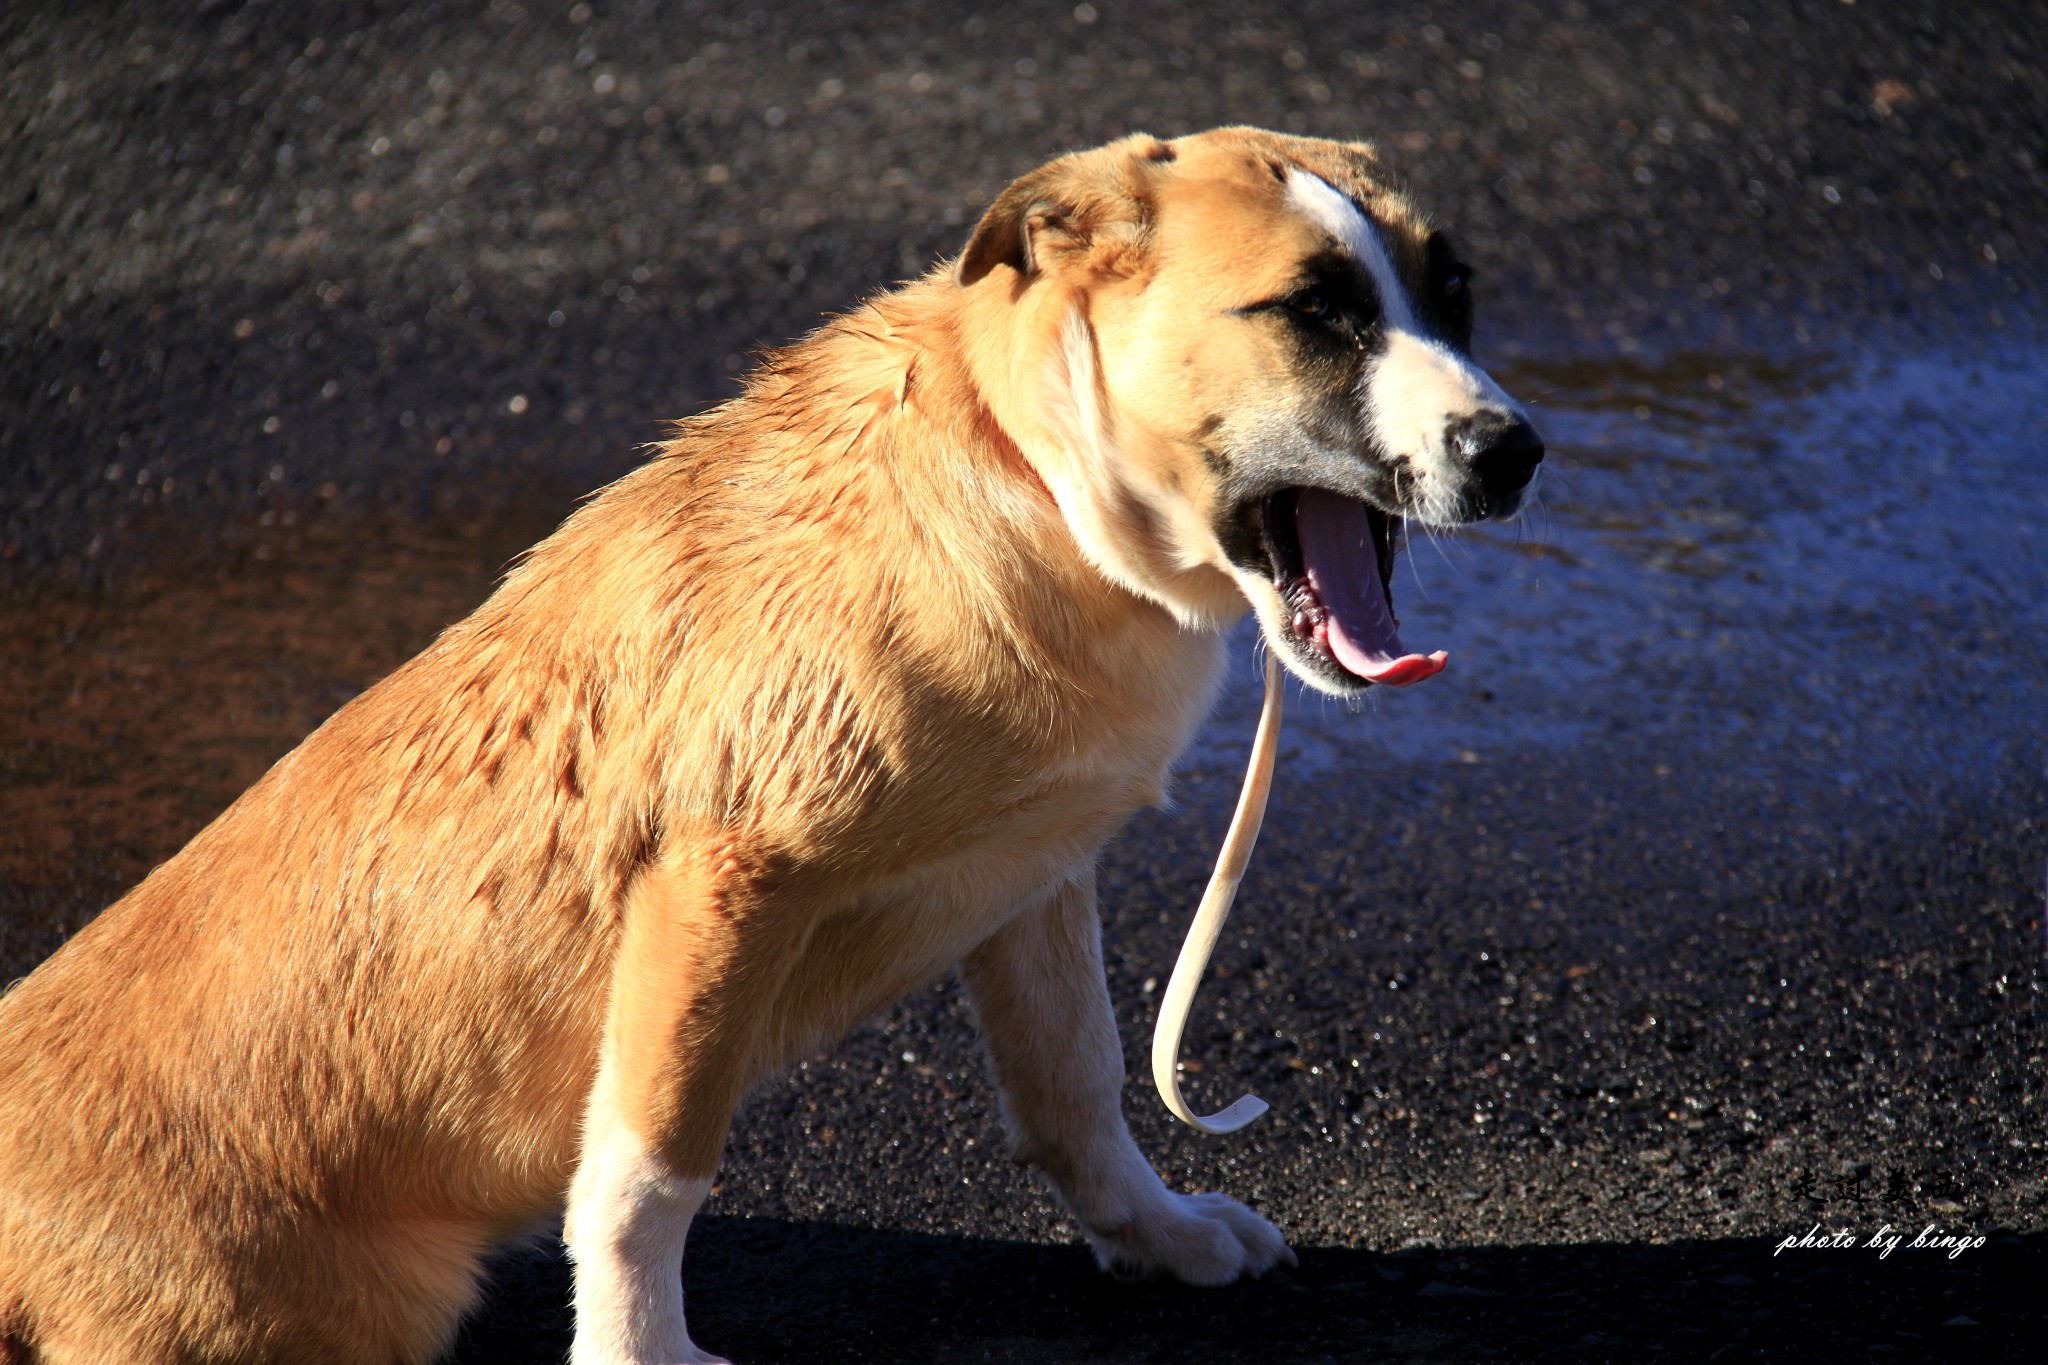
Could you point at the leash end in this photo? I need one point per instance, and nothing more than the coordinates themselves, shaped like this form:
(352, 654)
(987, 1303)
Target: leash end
(1248, 1109)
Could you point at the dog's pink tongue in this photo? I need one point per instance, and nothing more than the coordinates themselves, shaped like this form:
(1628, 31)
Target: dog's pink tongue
(1343, 568)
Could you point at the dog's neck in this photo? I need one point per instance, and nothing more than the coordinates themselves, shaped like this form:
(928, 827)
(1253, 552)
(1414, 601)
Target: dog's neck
(1030, 355)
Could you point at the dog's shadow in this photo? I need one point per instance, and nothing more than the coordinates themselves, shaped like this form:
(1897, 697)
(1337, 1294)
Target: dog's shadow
(769, 1291)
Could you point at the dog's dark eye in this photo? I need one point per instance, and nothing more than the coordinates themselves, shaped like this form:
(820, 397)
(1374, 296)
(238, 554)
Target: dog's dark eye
(1310, 303)
(1454, 285)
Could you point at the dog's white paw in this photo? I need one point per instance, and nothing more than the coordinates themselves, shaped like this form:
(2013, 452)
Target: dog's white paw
(1205, 1239)
(626, 1224)
(640, 1339)
(592, 1349)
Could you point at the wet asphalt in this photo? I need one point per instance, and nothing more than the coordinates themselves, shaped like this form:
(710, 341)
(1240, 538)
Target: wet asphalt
(1579, 979)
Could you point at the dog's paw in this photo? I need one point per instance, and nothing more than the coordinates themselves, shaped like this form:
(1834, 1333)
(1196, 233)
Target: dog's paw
(650, 1331)
(1205, 1239)
(596, 1354)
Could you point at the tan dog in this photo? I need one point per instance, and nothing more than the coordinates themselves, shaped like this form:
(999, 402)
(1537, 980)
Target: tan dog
(843, 690)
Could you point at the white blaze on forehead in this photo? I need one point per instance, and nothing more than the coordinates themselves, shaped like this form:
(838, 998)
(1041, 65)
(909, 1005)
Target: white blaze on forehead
(1418, 385)
(1337, 215)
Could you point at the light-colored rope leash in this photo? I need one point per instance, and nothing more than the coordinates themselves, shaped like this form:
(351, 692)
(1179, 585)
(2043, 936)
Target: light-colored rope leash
(1208, 925)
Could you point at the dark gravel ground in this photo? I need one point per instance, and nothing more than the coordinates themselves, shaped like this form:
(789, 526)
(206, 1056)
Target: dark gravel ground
(1559, 1047)
(281, 256)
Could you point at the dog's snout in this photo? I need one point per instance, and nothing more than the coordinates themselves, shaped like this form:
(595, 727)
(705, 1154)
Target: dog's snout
(1501, 449)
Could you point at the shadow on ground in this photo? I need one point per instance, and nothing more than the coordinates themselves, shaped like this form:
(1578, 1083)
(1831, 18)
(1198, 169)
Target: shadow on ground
(771, 1290)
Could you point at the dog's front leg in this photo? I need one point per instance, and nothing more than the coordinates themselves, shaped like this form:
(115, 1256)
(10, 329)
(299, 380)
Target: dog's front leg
(701, 957)
(1045, 1015)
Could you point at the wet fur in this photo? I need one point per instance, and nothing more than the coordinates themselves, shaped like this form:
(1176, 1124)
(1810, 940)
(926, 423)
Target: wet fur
(846, 687)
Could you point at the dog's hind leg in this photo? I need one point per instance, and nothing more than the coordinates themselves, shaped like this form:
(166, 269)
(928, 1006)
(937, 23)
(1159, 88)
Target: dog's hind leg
(702, 951)
(1045, 1016)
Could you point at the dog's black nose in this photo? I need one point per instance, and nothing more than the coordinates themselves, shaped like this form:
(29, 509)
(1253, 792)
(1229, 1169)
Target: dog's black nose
(1501, 449)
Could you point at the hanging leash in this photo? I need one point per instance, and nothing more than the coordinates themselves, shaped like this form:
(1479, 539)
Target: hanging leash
(1208, 925)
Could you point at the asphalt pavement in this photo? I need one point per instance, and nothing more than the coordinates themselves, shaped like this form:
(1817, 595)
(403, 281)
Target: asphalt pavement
(1699, 907)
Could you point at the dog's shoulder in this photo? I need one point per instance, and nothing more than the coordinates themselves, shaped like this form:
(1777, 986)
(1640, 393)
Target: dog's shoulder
(844, 576)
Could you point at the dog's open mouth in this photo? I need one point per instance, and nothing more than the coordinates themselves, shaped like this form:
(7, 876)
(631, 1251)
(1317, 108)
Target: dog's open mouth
(1333, 561)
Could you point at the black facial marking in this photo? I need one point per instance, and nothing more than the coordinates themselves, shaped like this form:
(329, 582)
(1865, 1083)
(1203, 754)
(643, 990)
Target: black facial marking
(1240, 531)
(1330, 313)
(1331, 305)
(1445, 298)
(1310, 303)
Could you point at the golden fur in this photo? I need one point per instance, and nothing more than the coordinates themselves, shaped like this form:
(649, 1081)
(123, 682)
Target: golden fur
(846, 686)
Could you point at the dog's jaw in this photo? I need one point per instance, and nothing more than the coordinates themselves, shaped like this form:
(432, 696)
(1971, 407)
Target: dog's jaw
(1325, 596)
(1343, 594)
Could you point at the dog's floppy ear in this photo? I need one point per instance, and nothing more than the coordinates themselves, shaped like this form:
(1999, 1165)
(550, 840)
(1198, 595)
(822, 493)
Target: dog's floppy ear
(1091, 202)
(1029, 207)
